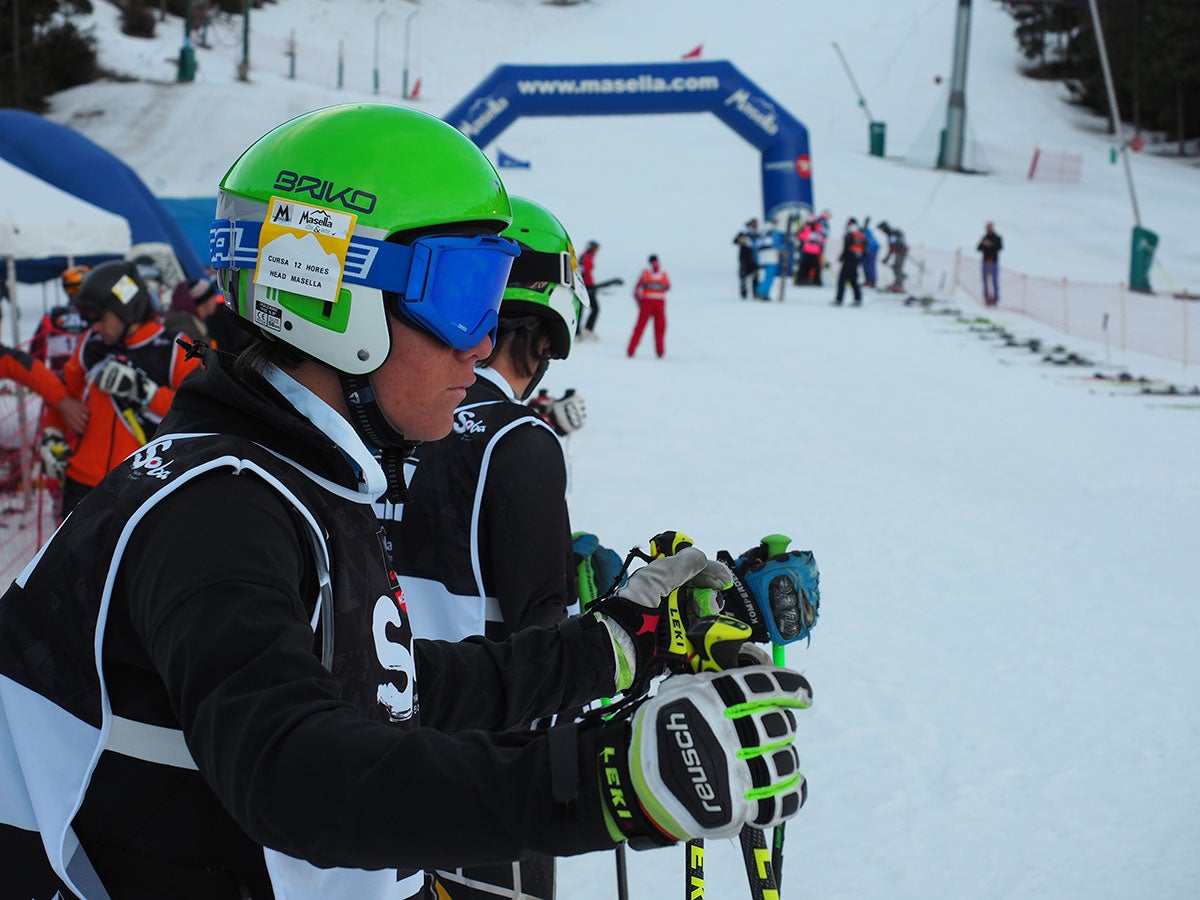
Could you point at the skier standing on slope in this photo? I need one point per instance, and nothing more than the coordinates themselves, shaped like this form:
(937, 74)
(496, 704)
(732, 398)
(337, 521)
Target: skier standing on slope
(249, 722)
(483, 543)
(746, 239)
(650, 292)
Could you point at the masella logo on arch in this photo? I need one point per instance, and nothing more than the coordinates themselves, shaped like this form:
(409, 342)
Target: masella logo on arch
(759, 111)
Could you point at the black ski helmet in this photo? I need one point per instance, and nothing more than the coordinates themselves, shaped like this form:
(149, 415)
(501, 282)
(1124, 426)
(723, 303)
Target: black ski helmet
(116, 287)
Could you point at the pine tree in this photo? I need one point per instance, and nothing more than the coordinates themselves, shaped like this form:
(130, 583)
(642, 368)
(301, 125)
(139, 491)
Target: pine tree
(41, 51)
(1153, 48)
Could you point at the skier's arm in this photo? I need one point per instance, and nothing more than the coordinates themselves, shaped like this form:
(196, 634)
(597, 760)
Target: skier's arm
(504, 684)
(32, 373)
(524, 529)
(301, 769)
(307, 773)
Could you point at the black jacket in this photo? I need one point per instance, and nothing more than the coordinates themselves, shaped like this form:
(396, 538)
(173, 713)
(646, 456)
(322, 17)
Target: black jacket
(209, 632)
(486, 525)
(990, 246)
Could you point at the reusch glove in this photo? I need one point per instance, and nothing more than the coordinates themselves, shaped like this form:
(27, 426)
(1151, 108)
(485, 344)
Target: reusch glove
(598, 570)
(775, 591)
(646, 618)
(706, 755)
(121, 380)
(53, 450)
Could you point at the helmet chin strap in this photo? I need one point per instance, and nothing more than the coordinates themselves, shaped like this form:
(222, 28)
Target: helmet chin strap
(374, 428)
(538, 374)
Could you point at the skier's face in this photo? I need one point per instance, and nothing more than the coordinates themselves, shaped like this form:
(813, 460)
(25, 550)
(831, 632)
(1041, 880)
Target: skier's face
(423, 380)
(109, 328)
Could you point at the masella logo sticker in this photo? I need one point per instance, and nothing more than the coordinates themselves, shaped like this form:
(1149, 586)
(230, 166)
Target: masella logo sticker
(302, 249)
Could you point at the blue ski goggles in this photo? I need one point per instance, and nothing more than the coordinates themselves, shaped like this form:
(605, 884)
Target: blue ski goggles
(450, 285)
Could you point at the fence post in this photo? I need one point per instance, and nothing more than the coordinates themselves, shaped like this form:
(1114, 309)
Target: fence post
(1066, 308)
(957, 264)
(1024, 292)
(1123, 294)
(1184, 304)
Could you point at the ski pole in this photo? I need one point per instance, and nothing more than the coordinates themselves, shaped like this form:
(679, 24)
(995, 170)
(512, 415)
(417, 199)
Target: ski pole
(779, 657)
(622, 874)
(588, 595)
(759, 870)
(778, 543)
(694, 870)
(664, 544)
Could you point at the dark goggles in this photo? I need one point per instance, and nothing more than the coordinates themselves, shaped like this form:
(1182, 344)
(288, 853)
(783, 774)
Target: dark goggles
(538, 267)
(90, 314)
(450, 285)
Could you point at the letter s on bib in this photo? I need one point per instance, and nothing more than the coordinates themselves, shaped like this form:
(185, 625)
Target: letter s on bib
(394, 694)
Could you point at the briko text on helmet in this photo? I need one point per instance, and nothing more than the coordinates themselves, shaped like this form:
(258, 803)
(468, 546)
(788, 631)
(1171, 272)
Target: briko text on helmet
(321, 189)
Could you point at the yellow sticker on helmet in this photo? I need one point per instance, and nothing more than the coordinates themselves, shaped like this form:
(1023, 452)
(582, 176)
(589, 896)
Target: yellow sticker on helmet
(302, 249)
(125, 289)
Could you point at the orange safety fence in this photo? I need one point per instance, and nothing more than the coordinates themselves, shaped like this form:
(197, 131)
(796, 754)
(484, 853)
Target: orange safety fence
(1159, 325)
(29, 502)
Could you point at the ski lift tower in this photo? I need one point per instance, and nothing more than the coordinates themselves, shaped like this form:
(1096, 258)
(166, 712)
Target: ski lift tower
(954, 136)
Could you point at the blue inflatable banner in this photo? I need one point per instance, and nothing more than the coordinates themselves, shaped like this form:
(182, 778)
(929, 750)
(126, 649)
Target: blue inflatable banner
(505, 161)
(626, 89)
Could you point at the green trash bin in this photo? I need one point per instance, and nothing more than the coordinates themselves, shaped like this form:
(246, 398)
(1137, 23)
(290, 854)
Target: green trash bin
(1145, 242)
(187, 63)
(878, 138)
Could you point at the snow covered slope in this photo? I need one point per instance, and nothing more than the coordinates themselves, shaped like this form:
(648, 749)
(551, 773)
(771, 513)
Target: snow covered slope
(1005, 667)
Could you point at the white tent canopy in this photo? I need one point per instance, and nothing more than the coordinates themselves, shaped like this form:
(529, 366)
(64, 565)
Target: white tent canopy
(37, 220)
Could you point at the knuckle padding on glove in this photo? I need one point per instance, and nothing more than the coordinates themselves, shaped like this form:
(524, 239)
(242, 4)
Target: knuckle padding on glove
(664, 575)
(715, 786)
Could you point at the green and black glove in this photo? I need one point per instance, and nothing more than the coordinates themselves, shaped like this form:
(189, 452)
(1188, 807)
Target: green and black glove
(707, 755)
(648, 618)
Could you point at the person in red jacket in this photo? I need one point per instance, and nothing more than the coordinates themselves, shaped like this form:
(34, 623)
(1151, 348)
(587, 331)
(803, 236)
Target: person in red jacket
(651, 295)
(125, 371)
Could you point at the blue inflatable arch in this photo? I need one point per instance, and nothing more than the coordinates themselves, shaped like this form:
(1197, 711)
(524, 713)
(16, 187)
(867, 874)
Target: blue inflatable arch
(629, 89)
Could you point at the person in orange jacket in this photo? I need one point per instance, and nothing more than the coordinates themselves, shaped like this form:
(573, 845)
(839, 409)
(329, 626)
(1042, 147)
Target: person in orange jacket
(651, 295)
(31, 372)
(125, 371)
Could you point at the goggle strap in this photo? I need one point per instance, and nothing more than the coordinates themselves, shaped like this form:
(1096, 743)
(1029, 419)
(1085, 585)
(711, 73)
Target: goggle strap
(233, 244)
(535, 266)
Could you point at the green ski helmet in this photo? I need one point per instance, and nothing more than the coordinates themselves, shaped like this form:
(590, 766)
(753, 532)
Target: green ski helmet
(545, 280)
(357, 175)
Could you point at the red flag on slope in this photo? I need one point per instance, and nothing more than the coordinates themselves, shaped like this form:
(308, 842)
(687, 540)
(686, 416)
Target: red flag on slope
(694, 53)
(415, 93)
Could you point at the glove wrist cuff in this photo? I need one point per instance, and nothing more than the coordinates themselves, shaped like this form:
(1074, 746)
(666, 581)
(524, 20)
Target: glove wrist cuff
(623, 813)
(624, 653)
